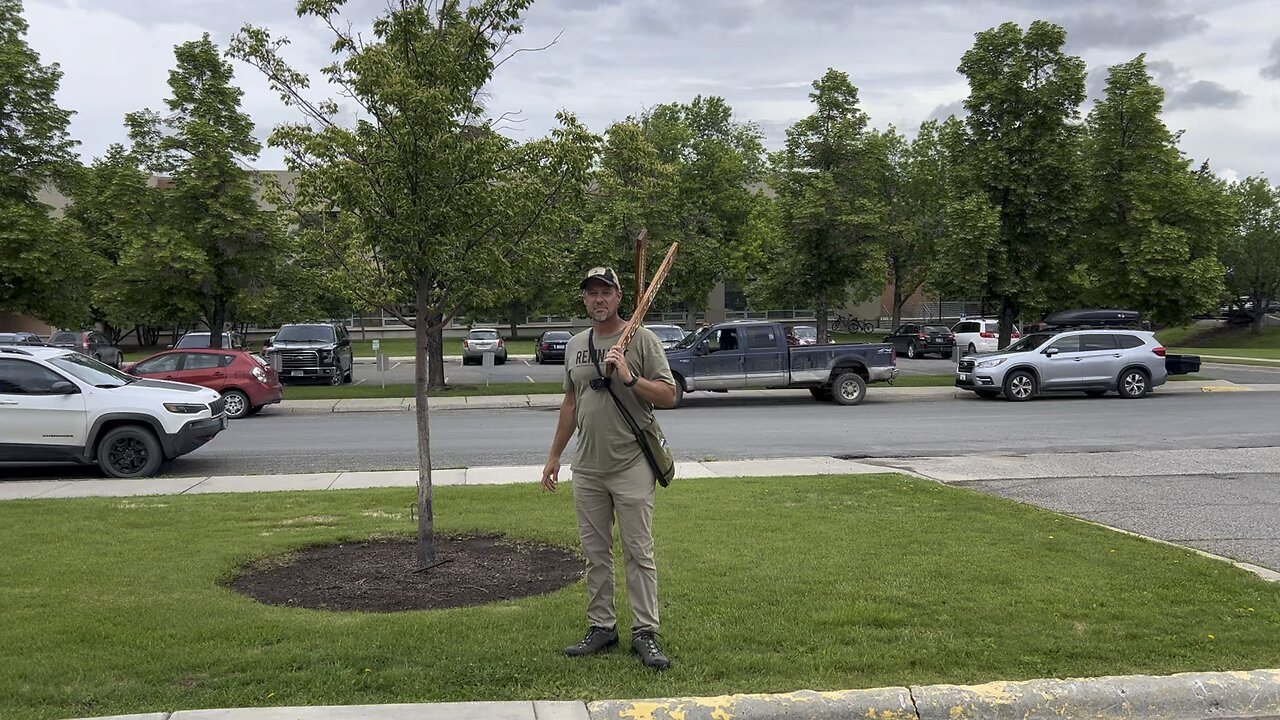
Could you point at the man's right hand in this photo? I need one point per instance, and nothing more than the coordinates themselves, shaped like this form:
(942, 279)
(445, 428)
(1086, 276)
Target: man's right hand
(551, 474)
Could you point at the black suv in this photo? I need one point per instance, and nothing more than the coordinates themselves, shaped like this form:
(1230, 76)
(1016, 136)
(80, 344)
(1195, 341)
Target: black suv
(313, 351)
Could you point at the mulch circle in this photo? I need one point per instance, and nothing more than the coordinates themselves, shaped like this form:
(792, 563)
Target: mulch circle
(378, 575)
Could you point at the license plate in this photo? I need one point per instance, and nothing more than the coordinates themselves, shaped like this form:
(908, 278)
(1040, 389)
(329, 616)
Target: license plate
(962, 376)
(296, 373)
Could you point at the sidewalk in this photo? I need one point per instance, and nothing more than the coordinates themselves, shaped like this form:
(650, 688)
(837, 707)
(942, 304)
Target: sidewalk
(878, 393)
(1238, 695)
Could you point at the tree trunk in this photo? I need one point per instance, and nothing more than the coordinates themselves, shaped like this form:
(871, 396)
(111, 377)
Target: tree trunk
(1259, 317)
(898, 302)
(421, 331)
(513, 320)
(434, 344)
(216, 321)
(822, 318)
(690, 317)
(1008, 315)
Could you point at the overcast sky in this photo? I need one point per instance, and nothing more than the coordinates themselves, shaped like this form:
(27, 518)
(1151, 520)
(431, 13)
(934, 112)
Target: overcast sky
(1219, 61)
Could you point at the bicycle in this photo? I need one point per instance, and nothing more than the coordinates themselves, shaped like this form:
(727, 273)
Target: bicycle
(852, 325)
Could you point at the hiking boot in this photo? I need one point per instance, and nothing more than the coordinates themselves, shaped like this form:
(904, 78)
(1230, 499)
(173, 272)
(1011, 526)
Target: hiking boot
(596, 640)
(645, 644)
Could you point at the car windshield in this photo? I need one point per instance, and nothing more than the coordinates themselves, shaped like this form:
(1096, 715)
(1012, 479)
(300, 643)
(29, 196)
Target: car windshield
(693, 339)
(1030, 342)
(91, 371)
(668, 332)
(201, 340)
(936, 329)
(483, 335)
(305, 333)
(805, 332)
(556, 336)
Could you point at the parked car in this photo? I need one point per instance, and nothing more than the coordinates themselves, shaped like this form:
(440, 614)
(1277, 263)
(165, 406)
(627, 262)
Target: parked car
(62, 406)
(916, 341)
(91, 343)
(550, 346)
(669, 335)
(755, 355)
(979, 335)
(480, 341)
(243, 380)
(312, 351)
(22, 338)
(230, 341)
(1094, 361)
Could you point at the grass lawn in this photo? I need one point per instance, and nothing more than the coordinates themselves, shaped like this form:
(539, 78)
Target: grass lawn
(344, 392)
(115, 605)
(947, 380)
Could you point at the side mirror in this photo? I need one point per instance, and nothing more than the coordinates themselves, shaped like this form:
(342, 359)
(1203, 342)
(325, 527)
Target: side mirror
(1051, 352)
(168, 347)
(63, 387)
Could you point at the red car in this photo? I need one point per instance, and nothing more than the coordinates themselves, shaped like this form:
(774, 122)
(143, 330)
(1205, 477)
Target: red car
(244, 381)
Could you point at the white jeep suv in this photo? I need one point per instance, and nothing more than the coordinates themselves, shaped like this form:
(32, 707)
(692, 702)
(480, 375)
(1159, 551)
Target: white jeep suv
(61, 406)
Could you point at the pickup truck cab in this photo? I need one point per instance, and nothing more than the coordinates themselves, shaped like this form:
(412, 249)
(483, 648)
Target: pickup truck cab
(751, 355)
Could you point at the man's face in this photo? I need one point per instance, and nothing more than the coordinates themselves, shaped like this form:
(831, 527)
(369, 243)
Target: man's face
(601, 300)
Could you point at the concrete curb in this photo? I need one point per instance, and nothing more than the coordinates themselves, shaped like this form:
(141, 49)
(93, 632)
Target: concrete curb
(1184, 696)
(879, 393)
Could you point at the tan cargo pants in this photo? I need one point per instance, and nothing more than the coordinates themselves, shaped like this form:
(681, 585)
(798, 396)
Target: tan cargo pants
(596, 499)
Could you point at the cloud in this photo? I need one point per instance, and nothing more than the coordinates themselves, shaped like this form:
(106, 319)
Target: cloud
(942, 112)
(1271, 70)
(1204, 94)
(1141, 31)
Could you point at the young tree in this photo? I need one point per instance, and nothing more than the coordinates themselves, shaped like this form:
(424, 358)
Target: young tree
(830, 215)
(1252, 254)
(438, 211)
(35, 150)
(1153, 225)
(202, 143)
(1024, 150)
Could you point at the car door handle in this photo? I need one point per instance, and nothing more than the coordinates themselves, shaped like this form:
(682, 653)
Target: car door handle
(218, 374)
(1077, 359)
(1117, 355)
(8, 402)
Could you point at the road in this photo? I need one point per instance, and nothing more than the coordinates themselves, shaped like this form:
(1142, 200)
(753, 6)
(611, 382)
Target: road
(527, 371)
(729, 427)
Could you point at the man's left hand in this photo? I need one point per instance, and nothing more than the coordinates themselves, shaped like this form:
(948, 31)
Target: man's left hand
(617, 361)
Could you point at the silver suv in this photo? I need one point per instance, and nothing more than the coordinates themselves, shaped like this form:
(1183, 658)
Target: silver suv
(1095, 361)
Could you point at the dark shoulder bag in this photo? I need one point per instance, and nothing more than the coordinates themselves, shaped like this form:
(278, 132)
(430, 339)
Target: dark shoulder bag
(653, 444)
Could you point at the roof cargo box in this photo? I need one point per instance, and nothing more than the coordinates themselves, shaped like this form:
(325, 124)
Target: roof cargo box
(1092, 318)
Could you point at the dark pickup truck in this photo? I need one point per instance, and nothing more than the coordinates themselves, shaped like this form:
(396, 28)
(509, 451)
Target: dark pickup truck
(749, 355)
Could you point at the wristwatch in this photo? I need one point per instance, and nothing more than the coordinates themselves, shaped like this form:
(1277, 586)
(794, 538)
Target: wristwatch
(634, 379)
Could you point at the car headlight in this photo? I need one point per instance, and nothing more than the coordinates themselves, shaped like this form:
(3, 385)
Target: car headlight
(185, 408)
(326, 356)
(996, 362)
(259, 375)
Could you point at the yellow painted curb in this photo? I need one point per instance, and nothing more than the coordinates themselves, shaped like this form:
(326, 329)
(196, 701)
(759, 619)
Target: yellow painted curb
(1224, 388)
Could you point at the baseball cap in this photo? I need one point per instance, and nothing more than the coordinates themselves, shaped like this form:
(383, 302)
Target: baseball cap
(603, 274)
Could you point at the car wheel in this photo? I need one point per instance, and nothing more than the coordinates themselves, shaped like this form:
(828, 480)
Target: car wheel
(987, 394)
(1020, 386)
(911, 350)
(1133, 384)
(130, 451)
(821, 394)
(349, 377)
(1095, 393)
(336, 377)
(849, 389)
(679, 394)
(237, 404)
(972, 350)
(97, 357)
(119, 360)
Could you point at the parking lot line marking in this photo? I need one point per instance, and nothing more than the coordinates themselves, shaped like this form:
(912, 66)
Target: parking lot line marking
(361, 381)
(526, 363)
(526, 377)
(393, 367)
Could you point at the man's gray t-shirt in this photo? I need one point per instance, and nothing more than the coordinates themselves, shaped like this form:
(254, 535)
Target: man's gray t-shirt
(605, 441)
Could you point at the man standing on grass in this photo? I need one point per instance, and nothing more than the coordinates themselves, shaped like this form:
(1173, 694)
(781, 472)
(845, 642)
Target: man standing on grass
(610, 473)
